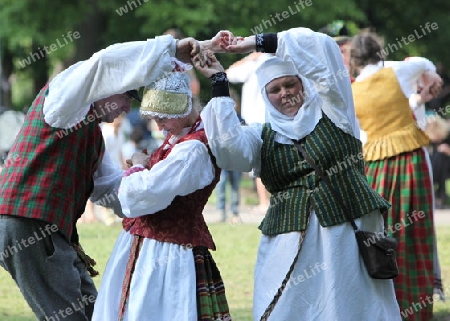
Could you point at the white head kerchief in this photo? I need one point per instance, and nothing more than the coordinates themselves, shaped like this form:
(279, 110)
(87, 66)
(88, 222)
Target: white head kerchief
(308, 115)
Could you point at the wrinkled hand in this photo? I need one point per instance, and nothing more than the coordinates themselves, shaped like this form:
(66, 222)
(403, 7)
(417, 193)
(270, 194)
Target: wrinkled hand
(239, 44)
(219, 42)
(211, 67)
(139, 158)
(187, 48)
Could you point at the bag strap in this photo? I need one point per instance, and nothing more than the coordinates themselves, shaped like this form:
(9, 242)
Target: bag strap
(277, 296)
(327, 182)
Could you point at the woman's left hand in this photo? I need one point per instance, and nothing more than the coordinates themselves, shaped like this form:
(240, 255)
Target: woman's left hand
(219, 42)
(211, 67)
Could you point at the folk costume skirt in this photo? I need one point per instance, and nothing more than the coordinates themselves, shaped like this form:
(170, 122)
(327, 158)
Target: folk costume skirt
(160, 282)
(405, 181)
(329, 280)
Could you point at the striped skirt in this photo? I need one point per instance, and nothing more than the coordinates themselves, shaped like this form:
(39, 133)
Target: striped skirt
(212, 303)
(404, 180)
(151, 280)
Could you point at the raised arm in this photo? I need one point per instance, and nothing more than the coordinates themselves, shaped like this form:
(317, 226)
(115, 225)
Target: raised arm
(110, 71)
(317, 58)
(235, 147)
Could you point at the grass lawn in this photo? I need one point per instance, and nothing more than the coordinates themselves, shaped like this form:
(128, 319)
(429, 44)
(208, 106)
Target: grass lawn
(235, 257)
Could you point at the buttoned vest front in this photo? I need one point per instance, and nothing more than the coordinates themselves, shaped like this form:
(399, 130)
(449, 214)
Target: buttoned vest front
(296, 189)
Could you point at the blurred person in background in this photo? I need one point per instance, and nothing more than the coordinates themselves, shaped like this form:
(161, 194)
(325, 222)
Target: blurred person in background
(114, 140)
(396, 161)
(231, 178)
(340, 33)
(418, 109)
(148, 141)
(114, 136)
(133, 144)
(61, 163)
(440, 157)
(252, 105)
(10, 123)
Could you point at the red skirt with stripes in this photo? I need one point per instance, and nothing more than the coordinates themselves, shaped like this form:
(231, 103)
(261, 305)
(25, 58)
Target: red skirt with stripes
(404, 180)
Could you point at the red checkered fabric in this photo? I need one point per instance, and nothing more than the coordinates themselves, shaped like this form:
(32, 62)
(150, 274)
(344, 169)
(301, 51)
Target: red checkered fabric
(50, 178)
(182, 221)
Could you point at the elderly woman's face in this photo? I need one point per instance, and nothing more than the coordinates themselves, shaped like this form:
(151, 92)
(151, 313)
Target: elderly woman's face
(172, 125)
(286, 94)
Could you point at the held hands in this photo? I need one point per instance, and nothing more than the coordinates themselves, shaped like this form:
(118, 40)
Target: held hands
(211, 67)
(139, 158)
(201, 53)
(187, 48)
(224, 41)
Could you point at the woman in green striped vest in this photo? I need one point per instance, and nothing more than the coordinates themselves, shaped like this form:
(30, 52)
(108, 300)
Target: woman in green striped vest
(307, 92)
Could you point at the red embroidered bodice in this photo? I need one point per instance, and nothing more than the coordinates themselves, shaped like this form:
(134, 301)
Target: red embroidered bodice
(182, 221)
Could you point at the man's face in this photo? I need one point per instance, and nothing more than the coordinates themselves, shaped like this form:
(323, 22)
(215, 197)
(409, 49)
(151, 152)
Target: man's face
(111, 107)
(345, 51)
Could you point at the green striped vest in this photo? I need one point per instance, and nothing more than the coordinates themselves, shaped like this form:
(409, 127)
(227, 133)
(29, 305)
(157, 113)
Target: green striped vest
(295, 187)
(50, 174)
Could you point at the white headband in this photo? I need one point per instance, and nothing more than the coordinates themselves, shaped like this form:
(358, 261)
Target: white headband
(274, 68)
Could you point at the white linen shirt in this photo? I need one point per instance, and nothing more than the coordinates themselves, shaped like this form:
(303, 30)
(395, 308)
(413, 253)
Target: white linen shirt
(113, 70)
(238, 147)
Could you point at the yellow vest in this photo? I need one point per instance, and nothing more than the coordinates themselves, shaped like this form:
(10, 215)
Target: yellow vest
(384, 114)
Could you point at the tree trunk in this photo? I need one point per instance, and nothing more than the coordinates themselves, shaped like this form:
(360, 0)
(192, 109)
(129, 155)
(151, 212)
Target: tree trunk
(39, 68)
(6, 69)
(91, 30)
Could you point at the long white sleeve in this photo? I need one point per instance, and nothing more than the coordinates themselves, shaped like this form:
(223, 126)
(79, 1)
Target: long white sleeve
(113, 70)
(186, 169)
(318, 58)
(235, 147)
(106, 184)
(409, 73)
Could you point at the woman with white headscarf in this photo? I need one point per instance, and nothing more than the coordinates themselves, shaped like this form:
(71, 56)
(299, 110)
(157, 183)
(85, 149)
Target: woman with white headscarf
(308, 97)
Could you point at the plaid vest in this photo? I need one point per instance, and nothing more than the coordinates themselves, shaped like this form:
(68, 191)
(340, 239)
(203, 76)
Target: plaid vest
(49, 174)
(295, 187)
(182, 222)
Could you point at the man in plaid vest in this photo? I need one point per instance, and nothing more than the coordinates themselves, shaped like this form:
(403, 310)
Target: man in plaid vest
(57, 162)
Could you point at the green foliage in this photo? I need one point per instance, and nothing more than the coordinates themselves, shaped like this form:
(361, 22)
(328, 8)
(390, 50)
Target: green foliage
(27, 24)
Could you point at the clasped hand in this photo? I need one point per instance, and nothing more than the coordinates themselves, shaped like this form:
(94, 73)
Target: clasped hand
(223, 42)
(201, 53)
(139, 158)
